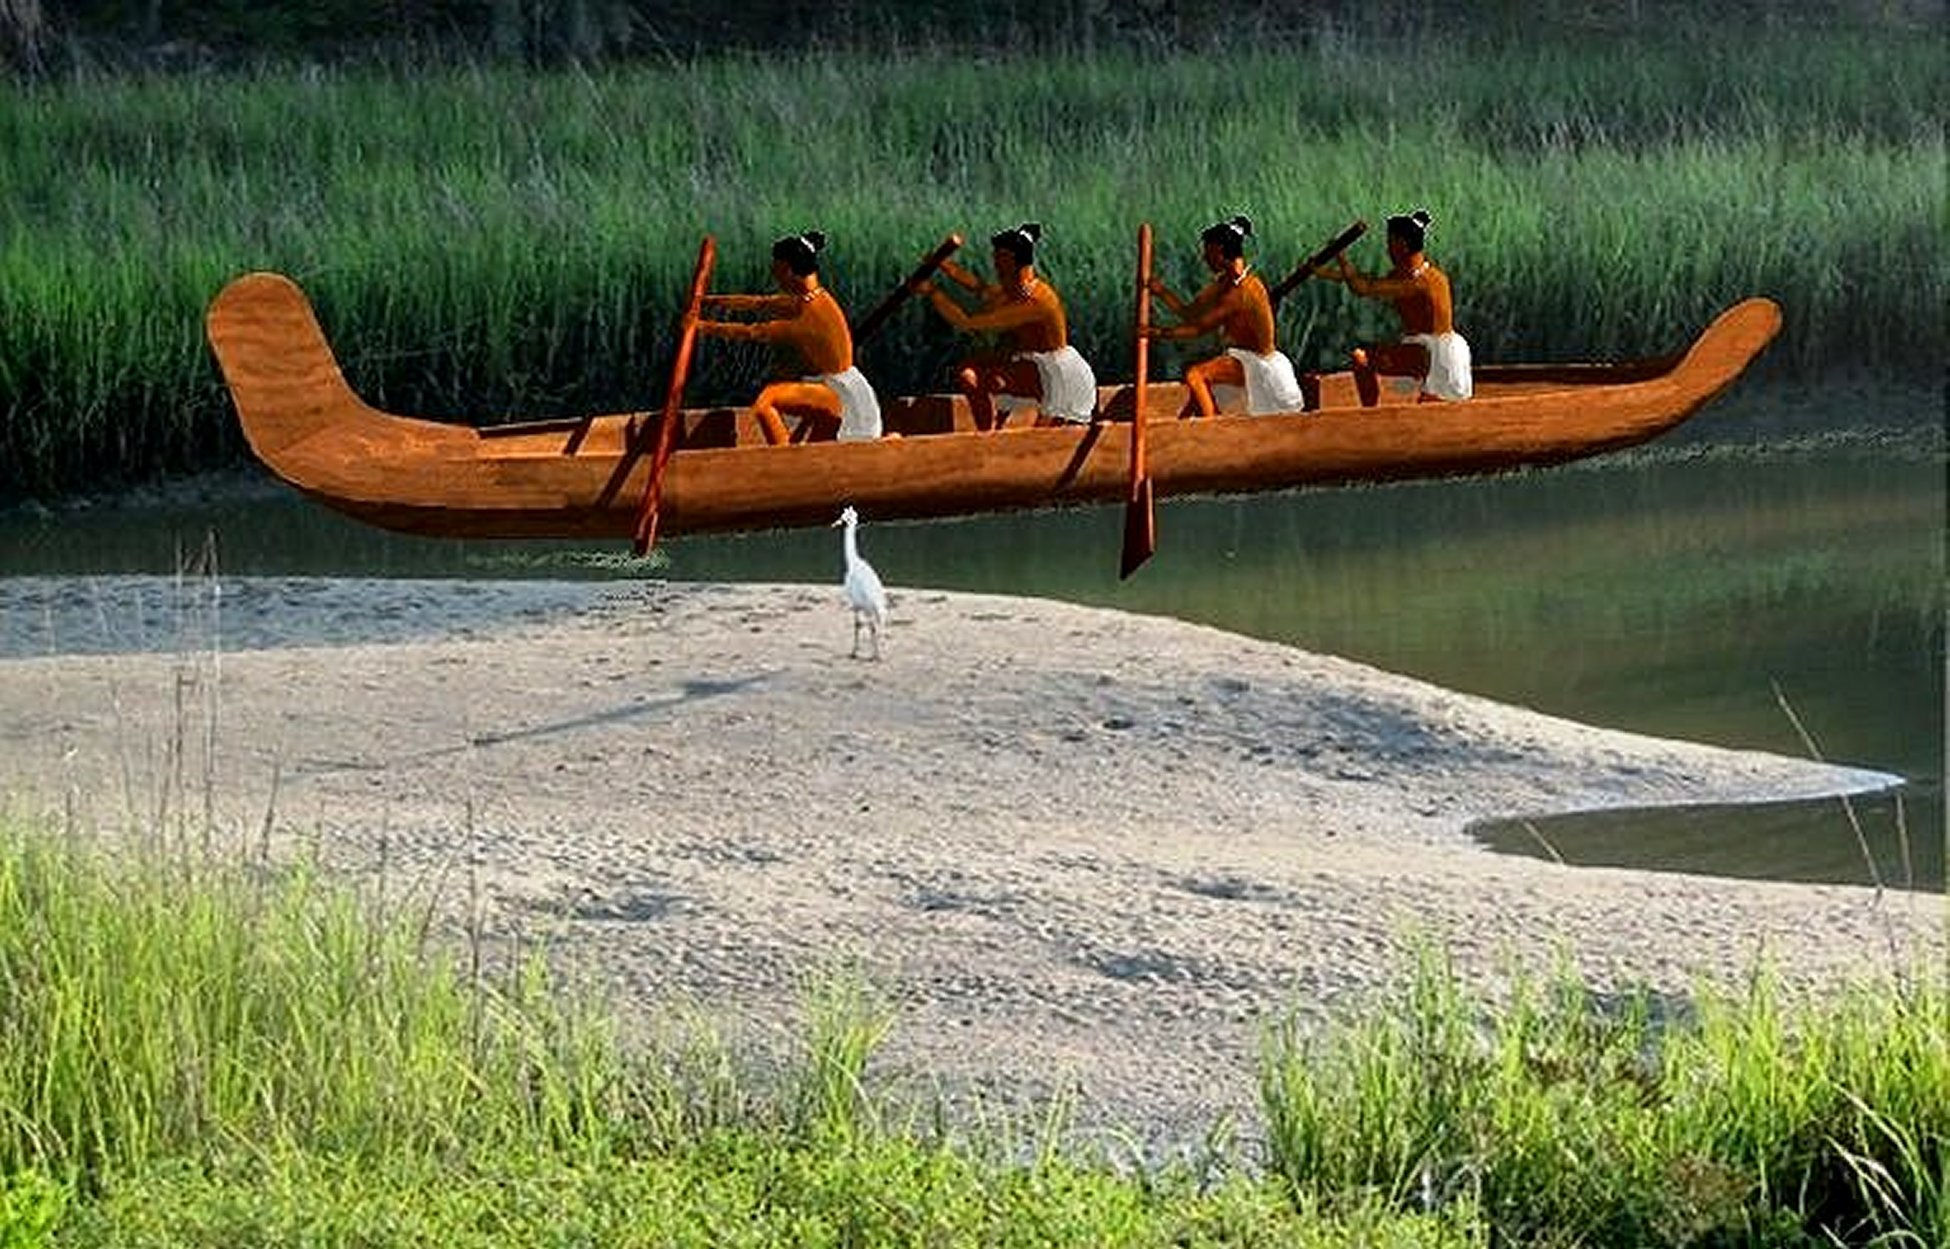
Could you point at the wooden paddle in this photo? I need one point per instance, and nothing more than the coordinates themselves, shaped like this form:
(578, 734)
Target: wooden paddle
(871, 323)
(673, 413)
(1140, 521)
(1338, 244)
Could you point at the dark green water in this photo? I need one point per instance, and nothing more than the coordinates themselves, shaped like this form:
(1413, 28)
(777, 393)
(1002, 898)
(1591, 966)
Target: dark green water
(1700, 591)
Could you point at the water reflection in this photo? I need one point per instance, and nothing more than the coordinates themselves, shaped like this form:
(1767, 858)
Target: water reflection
(1873, 840)
(1688, 596)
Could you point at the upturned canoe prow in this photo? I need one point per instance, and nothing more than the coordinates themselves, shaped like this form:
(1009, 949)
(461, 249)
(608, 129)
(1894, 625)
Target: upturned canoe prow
(584, 478)
(1730, 342)
(281, 372)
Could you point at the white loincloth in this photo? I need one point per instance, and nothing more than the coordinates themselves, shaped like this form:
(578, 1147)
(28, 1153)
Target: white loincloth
(1270, 385)
(1449, 376)
(859, 407)
(1069, 387)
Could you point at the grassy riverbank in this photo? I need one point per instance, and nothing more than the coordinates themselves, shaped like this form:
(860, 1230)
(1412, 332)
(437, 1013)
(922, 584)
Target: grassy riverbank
(198, 1054)
(487, 242)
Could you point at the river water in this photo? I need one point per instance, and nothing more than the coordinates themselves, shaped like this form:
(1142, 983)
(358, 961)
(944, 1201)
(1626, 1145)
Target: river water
(1771, 576)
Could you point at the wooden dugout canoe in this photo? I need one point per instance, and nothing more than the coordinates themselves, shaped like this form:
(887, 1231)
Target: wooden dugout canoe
(585, 478)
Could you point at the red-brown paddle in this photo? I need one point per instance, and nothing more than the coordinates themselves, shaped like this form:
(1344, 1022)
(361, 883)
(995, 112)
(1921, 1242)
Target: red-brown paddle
(673, 413)
(1335, 246)
(1140, 521)
(871, 323)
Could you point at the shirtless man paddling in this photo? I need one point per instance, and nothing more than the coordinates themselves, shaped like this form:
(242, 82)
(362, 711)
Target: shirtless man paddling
(1236, 304)
(1429, 349)
(1039, 368)
(834, 399)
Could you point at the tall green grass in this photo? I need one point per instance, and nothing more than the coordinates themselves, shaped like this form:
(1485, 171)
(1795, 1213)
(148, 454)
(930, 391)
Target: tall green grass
(1565, 1116)
(167, 1010)
(199, 1054)
(485, 243)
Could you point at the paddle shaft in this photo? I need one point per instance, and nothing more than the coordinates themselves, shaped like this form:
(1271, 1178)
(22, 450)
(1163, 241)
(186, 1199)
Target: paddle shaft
(1340, 243)
(871, 323)
(1142, 365)
(1140, 519)
(680, 368)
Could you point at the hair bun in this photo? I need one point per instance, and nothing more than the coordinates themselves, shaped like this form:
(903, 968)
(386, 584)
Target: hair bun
(1031, 230)
(1421, 217)
(815, 239)
(1243, 224)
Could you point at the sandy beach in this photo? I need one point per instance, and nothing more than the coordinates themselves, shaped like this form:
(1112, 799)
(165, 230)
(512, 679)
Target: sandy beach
(1080, 850)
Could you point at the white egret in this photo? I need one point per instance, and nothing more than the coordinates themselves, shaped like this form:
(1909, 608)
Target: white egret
(864, 592)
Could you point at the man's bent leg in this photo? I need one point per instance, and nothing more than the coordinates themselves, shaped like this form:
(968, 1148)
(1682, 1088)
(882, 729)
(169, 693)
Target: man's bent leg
(968, 381)
(814, 403)
(1019, 379)
(1366, 383)
(1218, 371)
(1394, 360)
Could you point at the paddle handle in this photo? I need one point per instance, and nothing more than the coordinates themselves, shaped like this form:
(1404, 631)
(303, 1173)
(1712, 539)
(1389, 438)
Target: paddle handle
(1338, 244)
(871, 323)
(673, 411)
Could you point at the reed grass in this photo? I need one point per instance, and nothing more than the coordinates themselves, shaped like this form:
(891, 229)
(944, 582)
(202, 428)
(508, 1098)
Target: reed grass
(157, 1013)
(200, 1054)
(1565, 1116)
(488, 242)
(195, 1054)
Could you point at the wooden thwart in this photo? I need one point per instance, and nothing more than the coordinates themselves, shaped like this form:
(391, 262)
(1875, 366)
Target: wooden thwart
(673, 413)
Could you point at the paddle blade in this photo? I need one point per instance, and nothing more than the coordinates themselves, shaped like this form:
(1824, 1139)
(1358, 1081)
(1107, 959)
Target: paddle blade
(1140, 530)
(646, 530)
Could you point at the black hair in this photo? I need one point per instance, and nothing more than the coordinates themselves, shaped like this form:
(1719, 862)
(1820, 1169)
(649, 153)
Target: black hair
(1230, 235)
(800, 251)
(1411, 229)
(1019, 242)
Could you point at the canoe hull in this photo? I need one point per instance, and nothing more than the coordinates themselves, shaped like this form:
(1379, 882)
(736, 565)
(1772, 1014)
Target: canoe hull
(585, 479)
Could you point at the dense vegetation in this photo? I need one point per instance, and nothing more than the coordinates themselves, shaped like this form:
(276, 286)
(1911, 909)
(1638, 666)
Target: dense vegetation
(195, 1054)
(39, 37)
(485, 241)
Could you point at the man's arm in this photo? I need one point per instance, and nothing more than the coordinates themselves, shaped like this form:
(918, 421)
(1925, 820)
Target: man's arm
(752, 332)
(1170, 298)
(1383, 287)
(1202, 315)
(749, 303)
(960, 276)
(1008, 317)
(1373, 288)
